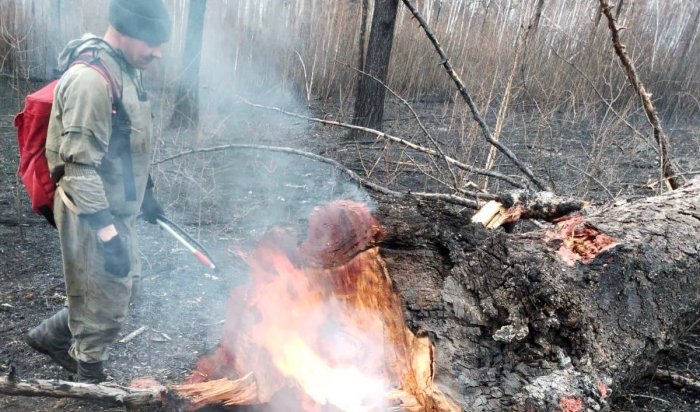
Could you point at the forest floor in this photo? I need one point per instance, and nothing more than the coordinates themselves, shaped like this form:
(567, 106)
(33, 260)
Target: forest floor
(227, 200)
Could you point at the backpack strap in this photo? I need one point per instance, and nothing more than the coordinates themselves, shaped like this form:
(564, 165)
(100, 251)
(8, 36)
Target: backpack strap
(90, 59)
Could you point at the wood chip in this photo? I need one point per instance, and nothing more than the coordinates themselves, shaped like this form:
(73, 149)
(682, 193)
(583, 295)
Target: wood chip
(133, 334)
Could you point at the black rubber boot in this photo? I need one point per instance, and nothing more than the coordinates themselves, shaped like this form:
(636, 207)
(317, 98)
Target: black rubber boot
(91, 372)
(53, 338)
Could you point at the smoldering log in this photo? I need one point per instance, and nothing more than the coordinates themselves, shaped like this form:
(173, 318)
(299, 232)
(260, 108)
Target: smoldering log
(516, 326)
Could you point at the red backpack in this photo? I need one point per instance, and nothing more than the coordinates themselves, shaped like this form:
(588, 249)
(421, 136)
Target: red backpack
(32, 125)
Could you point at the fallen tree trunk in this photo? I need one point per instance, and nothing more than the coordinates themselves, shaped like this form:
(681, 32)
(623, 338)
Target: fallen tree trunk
(516, 326)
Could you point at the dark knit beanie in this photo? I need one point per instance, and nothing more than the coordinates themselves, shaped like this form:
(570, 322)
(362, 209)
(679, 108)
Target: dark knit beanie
(146, 20)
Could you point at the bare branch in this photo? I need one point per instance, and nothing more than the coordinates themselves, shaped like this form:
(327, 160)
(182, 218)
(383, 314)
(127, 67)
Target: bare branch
(395, 139)
(535, 205)
(676, 379)
(352, 175)
(467, 98)
(667, 169)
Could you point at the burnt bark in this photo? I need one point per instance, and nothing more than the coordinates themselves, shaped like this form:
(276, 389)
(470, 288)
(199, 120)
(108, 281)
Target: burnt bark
(516, 328)
(369, 104)
(186, 111)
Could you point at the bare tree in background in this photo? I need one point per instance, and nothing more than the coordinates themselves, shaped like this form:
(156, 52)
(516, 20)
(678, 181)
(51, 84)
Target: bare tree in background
(186, 112)
(363, 35)
(667, 169)
(56, 37)
(596, 22)
(369, 105)
(691, 32)
(618, 12)
(538, 15)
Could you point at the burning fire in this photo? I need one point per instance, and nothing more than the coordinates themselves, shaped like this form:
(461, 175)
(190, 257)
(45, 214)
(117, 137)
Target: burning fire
(320, 327)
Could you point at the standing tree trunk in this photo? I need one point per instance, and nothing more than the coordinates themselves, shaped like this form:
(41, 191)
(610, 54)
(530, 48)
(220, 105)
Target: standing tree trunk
(186, 112)
(369, 105)
(618, 12)
(596, 22)
(55, 37)
(688, 39)
(538, 15)
(363, 36)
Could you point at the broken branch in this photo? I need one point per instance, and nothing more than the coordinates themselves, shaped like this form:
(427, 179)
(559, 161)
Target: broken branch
(131, 397)
(537, 205)
(133, 334)
(677, 379)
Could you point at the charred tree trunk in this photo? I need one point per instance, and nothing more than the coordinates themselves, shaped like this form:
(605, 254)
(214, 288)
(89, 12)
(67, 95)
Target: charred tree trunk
(369, 105)
(186, 112)
(516, 327)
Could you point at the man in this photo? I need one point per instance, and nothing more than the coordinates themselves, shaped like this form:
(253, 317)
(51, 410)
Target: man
(98, 147)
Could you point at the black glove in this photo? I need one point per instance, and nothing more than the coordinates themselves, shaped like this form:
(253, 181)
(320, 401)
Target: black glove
(150, 209)
(116, 257)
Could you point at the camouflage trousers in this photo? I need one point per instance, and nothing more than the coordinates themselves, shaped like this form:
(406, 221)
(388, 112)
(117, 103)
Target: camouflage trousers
(97, 301)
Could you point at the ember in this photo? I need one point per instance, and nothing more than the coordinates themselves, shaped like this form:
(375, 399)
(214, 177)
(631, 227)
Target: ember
(319, 326)
(580, 241)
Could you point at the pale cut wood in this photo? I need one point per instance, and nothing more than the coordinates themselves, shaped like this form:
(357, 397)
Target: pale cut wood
(130, 397)
(487, 213)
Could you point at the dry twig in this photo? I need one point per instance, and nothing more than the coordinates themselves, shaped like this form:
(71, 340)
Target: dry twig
(676, 379)
(133, 334)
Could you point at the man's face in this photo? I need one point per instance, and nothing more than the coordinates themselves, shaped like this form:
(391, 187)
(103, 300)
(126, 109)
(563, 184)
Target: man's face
(139, 53)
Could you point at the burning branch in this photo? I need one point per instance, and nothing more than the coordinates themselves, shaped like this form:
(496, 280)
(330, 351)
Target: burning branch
(243, 391)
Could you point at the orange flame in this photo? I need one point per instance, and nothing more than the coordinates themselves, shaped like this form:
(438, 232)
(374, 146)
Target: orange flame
(323, 319)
